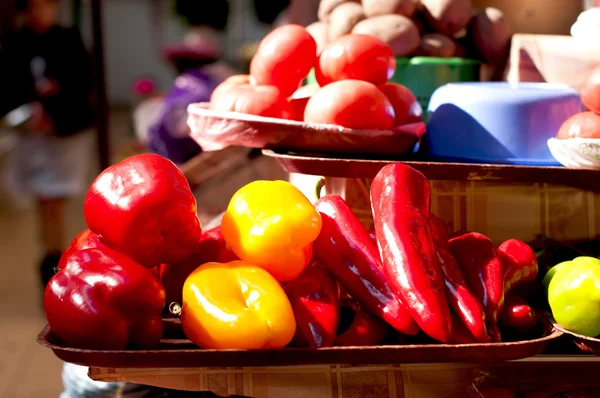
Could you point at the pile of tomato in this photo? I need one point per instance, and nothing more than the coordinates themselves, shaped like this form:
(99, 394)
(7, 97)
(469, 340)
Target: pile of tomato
(585, 124)
(353, 89)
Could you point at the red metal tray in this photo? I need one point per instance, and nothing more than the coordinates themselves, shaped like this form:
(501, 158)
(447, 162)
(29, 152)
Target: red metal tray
(214, 130)
(331, 166)
(180, 353)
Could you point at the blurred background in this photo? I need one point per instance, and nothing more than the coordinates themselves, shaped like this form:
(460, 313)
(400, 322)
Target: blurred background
(147, 60)
(146, 45)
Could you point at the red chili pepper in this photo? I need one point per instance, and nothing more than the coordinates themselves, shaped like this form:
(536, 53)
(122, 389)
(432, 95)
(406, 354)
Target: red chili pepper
(465, 304)
(400, 198)
(365, 330)
(517, 314)
(440, 227)
(345, 248)
(494, 332)
(519, 262)
(481, 265)
(373, 237)
(460, 334)
(344, 295)
(102, 299)
(143, 207)
(211, 249)
(315, 299)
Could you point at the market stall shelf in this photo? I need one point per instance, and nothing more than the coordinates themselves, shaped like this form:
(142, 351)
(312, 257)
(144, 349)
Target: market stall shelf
(331, 166)
(181, 353)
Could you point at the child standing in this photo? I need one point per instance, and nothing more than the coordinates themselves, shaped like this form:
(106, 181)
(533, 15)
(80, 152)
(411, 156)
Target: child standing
(46, 66)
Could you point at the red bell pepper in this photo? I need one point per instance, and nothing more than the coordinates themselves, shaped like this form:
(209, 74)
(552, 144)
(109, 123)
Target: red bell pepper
(103, 300)
(400, 198)
(89, 240)
(157, 270)
(466, 306)
(345, 248)
(365, 329)
(212, 248)
(517, 314)
(85, 240)
(315, 299)
(143, 207)
(482, 267)
(519, 262)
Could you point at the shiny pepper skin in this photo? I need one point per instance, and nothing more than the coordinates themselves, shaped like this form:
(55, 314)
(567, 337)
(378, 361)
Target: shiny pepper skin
(574, 296)
(85, 240)
(483, 270)
(143, 207)
(315, 299)
(271, 224)
(103, 300)
(517, 314)
(460, 333)
(365, 330)
(350, 254)
(212, 248)
(400, 199)
(465, 304)
(236, 306)
(519, 263)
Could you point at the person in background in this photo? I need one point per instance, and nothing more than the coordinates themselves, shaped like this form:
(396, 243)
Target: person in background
(300, 12)
(46, 66)
(197, 62)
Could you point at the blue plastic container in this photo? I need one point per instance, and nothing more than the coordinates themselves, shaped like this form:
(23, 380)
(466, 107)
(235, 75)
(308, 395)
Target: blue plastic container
(497, 122)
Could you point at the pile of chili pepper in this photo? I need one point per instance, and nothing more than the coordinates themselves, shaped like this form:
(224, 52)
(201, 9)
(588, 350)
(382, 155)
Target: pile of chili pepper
(279, 270)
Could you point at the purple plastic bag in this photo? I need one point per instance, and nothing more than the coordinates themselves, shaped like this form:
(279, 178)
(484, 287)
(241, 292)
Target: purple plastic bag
(169, 137)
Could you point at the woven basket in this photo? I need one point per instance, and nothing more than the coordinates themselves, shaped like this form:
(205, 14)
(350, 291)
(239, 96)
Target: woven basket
(498, 210)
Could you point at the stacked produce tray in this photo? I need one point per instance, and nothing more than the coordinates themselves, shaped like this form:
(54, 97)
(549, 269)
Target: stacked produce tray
(177, 352)
(355, 167)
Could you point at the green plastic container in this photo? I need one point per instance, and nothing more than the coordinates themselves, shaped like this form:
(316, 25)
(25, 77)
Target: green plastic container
(423, 75)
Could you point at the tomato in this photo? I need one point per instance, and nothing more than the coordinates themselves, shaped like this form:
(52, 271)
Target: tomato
(305, 91)
(406, 107)
(590, 93)
(284, 58)
(355, 56)
(230, 82)
(581, 125)
(351, 103)
(264, 101)
(300, 98)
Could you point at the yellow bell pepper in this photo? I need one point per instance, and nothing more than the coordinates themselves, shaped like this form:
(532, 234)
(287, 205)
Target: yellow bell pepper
(236, 306)
(273, 225)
